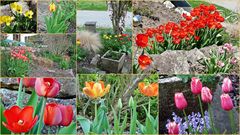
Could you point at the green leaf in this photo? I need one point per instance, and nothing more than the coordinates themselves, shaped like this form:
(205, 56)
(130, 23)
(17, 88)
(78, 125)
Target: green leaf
(85, 124)
(3, 130)
(133, 122)
(71, 129)
(33, 100)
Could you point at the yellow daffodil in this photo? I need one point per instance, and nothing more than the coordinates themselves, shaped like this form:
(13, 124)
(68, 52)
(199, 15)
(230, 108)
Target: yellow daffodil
(78, 42)
(16, 7)
(29, 14)
(6, 19)
(95, 90)
(52, 7)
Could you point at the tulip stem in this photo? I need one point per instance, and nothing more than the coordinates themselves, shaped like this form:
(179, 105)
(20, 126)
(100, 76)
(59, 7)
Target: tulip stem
(41, 116)
(211, 118)
(200, 103)
(149, 105)
(20, 93)
(231, 117)
(186, 118)
(96, 111)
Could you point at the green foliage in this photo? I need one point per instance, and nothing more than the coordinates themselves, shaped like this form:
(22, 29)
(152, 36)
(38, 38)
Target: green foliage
(3, 130)
(96, 5)
(206, 79)
(9, 68)
(71, 129)
(60, 19)
(81, 53)
(120, 43)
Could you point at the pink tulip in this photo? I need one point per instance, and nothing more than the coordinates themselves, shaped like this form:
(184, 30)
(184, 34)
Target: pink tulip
(28, 82)
(67, 114)
(47, 87)
(196, 86)
(226, 102)
(173, 128)
(180, 101)
(227, 85)
(52, 115)
(206, 95)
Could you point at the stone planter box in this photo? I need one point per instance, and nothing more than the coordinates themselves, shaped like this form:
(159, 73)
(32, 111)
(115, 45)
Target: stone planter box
(112, 65)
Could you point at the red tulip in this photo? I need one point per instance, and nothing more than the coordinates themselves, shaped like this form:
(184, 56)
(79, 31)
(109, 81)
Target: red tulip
(159, 38)
(180, 101)
(226, 102)
(47, 87)
(144, 61)
(227, 85)
(142, 40)
(173, 128)
(28, 82)
(52, 115)
(206, 95)
(19, 120)
(196, 86)
(67, 114)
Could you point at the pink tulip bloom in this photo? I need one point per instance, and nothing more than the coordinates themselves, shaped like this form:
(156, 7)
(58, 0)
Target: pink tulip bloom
(227, 85)
(206, 95)
(47, 87)
(52, 115)
(67, 114)
(28, 82)
(180, 101)
(226, 102)
(173, 128)
(196, 86)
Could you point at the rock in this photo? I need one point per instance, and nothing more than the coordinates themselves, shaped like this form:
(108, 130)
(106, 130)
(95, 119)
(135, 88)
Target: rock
(68, 86)
(91, 70)
(95, 60)
(207, 50)
(168, 4)
(171, 62)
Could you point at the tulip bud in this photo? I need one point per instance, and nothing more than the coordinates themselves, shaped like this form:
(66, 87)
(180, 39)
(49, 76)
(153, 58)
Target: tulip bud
(52, 115)
(47, 87)
(226, 102)
(227, 85)
(131, 102)
(119, 103)
(28, 82)
(173, 128)
(196, 86)
(67, 114)
(180, 101)
(206, 95)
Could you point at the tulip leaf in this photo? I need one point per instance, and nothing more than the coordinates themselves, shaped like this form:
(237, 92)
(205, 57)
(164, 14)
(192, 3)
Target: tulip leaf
(3, 130)
(85, 124)
(33, 100)
(71, 129)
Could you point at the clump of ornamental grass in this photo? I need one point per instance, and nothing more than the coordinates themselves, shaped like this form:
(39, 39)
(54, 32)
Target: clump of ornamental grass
(89, 41)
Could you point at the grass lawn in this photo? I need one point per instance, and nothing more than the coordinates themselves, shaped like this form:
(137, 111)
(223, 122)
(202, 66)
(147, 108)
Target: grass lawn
(226, 13)
(97, 5)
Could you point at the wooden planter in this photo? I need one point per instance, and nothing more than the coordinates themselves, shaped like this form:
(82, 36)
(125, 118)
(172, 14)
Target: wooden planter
(111, 65)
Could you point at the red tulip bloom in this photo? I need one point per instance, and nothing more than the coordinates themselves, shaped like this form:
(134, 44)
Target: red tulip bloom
(196, 38)
(47, 87)
(173, 128)
(180, 101)
(220, 18)
(144, 61)
(19, 120)
(150, 32)
(206, 95)
(52, 115)
(196, 86)
(227, 85)
(67, 114)
(159, 38)
(211, 7)
(142, 40)
(226, 102)
(28, 82)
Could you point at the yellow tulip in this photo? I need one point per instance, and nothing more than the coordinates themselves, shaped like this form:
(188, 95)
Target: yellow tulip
(95, 90)
(52, 7)
(29, 14)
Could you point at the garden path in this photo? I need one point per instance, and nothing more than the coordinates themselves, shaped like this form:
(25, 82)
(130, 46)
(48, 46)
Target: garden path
(101, 17)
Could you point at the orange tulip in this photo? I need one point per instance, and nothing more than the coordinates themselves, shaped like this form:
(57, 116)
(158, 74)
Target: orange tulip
(95, 90)
(148, 90)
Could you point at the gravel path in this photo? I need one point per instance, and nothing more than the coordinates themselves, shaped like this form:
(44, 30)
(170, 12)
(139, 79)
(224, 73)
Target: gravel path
(101, 17)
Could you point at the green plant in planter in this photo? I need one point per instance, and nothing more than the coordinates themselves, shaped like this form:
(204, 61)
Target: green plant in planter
(113, 55)
(221, 61)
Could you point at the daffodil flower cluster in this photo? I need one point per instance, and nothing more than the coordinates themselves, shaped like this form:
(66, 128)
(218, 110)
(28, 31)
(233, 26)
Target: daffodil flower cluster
(19, 21)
